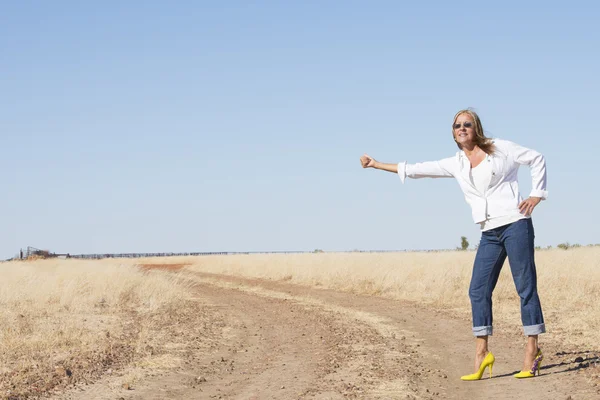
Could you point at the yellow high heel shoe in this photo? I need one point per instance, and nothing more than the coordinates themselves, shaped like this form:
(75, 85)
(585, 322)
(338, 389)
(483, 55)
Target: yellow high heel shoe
(537, 364)
(487, 361)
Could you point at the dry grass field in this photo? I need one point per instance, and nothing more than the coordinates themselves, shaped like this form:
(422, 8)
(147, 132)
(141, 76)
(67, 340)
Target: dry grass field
(67, 322)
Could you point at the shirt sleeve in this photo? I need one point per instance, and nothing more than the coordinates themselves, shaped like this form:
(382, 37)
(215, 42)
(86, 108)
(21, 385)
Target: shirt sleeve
(429, 169)
(537, 165)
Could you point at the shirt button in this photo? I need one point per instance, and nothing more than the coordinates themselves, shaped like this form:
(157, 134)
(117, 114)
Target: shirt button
(493, 173)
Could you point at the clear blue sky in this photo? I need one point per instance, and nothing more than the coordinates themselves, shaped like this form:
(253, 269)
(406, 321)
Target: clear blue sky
(238, 126)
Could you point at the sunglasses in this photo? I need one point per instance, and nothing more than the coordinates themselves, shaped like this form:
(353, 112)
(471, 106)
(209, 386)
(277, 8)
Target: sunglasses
(465, 124)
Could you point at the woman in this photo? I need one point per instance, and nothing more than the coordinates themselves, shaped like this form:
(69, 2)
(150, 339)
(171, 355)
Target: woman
(486, 170)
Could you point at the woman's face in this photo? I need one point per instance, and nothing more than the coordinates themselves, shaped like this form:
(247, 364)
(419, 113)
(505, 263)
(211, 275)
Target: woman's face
(464, 129)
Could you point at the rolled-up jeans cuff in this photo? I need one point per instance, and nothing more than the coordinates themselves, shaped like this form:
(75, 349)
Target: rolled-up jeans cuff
(483, 330)
(534, 329)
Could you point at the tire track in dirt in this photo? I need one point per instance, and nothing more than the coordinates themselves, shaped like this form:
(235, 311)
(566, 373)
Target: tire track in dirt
(285, 341)
(280, 348)
(443, 346)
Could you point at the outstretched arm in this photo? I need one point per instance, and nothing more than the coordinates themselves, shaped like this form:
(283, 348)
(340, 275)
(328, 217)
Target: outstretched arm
(369, 162)
(429, 169)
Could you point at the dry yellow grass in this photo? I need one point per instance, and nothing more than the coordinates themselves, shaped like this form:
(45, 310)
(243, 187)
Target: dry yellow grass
(67, 321)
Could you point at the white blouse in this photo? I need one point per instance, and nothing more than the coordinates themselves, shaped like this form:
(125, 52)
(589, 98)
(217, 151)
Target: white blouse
(501, 197)
(481, 176)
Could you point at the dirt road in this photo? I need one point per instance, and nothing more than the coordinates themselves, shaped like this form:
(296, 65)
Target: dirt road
(282, 341)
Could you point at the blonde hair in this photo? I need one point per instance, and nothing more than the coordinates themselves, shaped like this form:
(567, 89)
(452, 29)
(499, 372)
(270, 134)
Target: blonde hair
(484, 143)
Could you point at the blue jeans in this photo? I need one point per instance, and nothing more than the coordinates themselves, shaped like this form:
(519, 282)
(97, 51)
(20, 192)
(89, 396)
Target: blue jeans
(516, 241)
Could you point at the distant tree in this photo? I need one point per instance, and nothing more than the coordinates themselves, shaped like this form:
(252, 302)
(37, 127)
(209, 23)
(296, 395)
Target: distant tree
(464, 243)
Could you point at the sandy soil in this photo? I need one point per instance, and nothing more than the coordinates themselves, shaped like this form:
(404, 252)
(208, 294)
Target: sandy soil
(273, 340)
